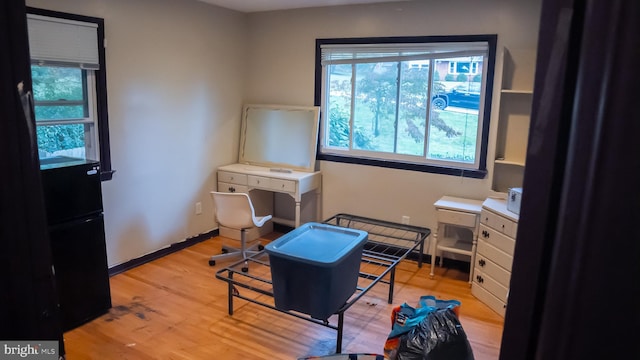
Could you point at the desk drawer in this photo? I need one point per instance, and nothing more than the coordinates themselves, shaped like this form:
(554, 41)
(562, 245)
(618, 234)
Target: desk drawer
(283, 185)
(259, 181)
(272, 184)
(497, 239)
(234, 188)
(458, 218)
(230, 177)
(499, 223)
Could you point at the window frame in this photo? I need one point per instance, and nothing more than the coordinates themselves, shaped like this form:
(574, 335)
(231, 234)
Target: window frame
(444, 168)
(100, 89)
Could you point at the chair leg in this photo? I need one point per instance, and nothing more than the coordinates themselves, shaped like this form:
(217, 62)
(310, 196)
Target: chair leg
(244, 252)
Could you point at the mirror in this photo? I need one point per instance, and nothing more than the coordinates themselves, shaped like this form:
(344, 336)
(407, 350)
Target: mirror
(279, 136)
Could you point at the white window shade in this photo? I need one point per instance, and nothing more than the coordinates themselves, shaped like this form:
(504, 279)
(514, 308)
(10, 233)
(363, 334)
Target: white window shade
(365, 53)
(62, 42)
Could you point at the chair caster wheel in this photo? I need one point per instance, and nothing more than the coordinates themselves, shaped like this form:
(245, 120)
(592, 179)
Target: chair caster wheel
(260, 247)
(245, 269)
(212, 263)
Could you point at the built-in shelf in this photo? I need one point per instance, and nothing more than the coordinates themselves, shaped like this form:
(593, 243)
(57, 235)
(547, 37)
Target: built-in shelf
(509, 162)
(513, 91)
(514, 118)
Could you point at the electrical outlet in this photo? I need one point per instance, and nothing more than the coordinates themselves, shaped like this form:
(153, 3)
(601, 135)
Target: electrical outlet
(198, 208)
(406, 219)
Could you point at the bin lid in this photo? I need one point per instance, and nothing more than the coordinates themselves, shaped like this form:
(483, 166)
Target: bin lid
(317, 243)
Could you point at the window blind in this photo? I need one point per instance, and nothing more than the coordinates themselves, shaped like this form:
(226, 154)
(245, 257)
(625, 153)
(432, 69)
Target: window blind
(62, 42)
(367, 53)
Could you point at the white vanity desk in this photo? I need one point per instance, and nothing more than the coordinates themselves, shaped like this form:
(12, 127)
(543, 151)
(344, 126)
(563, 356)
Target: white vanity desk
(244, 178)
(275, 137)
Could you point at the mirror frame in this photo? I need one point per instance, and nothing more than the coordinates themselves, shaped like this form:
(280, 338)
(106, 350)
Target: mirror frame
(309, 112)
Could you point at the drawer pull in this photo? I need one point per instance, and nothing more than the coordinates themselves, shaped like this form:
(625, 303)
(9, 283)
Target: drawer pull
(481, 262)
(485, 233)
(232, 189)
(479, 279)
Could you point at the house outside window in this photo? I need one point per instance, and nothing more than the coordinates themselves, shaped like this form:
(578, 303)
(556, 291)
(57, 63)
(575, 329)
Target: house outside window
(392, 102)
(466, 66)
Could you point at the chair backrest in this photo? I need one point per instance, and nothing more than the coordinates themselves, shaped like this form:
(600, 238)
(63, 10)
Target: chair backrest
(233, 210)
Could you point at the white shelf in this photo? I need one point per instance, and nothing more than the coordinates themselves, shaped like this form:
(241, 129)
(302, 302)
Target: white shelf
(509, 162)
(517, 92)
(455, 246)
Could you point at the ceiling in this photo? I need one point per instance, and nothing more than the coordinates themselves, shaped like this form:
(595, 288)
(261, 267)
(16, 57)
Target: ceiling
(248, 6)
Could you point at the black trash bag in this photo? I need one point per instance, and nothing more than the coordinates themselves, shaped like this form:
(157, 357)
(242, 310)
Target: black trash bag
(438, 337)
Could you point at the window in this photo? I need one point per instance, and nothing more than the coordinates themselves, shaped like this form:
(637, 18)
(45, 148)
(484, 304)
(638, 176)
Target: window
(394, 102)
(65, 111)
(69, 86)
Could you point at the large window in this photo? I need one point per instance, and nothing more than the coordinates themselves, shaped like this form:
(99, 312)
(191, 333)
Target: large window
(69, 86)
(419, 103)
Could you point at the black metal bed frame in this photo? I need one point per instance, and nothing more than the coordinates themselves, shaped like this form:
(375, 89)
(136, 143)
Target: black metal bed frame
(388, 244)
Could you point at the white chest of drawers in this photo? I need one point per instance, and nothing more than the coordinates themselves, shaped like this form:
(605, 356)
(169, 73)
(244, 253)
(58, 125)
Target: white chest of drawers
(494, 254)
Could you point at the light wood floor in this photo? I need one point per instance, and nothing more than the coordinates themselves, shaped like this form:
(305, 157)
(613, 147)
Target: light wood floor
(175, 308)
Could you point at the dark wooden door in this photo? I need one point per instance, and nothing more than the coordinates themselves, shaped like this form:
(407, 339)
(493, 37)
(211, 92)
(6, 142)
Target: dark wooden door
(28, 300)
(574, 286)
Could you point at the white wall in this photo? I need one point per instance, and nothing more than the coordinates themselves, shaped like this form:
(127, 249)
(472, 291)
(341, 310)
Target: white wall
(281, 70)
(175, 83)
(178, 72)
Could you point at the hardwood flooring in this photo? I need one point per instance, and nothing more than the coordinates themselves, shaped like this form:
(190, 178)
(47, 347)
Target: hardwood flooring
(175, 308)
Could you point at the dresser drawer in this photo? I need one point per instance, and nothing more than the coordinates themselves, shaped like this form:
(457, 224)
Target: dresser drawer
(498, 222)
(497, 239)
(230, 177)
(490, 284)
(228, 187)
(500, 274)
(458, 218)
(496, 255)
(486, 297)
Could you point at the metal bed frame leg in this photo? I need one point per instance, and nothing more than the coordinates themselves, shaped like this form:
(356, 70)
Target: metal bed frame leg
(421, 250)
(340, 331)
(230, 294)
(392, 280)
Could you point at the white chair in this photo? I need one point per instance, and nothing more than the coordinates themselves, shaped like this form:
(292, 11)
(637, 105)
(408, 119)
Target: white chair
(235, 211)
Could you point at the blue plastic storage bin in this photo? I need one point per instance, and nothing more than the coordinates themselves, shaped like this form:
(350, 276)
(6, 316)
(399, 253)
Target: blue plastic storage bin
(315, 268)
